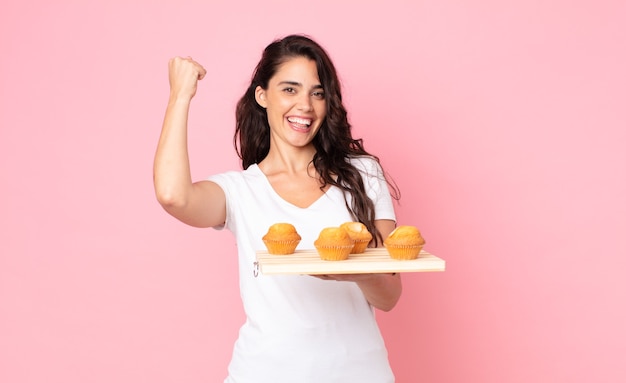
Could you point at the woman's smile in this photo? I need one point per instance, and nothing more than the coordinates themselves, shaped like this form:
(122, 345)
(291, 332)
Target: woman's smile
(300, 124)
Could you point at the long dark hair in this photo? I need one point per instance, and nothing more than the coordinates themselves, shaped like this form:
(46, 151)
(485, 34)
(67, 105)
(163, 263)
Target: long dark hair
(333, 142)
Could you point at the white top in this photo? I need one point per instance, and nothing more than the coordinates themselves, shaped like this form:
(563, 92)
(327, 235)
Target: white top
(300, 328)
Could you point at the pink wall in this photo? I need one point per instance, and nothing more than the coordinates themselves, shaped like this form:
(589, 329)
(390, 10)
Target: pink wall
(503, 123)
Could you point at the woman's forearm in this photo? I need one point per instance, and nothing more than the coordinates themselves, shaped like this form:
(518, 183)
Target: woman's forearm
(381, 290)
(172, 174)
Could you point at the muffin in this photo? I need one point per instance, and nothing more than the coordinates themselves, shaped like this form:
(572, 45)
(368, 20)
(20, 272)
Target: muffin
(281, 239)
(404, 243)
(359, 234)
(334, 244)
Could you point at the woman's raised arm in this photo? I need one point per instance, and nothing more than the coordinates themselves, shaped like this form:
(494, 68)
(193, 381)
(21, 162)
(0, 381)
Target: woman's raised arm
(200, 204)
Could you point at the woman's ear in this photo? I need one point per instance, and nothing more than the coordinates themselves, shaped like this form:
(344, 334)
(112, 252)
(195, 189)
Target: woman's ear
(259, 95)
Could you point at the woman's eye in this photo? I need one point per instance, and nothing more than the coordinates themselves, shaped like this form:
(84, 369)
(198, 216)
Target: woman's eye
(290, 90)
(318, 95)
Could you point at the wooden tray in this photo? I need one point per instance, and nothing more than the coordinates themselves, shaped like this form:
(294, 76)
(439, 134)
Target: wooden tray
(374, 260)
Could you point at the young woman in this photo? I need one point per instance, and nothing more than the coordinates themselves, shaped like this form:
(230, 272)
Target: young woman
(302, 166)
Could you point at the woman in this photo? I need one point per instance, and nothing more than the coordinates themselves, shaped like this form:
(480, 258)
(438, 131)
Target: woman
(302, 166)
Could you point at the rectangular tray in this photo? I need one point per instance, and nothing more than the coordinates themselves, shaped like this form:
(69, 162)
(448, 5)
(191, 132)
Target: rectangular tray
(374, 260)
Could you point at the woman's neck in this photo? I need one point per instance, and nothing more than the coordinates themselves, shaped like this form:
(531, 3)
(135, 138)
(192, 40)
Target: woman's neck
(288, 160)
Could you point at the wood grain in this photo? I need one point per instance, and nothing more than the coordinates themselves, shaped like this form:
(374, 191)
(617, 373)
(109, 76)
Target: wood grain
(372, 261)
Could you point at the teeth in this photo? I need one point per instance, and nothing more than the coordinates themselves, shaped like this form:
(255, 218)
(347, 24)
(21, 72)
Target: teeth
(299, 120)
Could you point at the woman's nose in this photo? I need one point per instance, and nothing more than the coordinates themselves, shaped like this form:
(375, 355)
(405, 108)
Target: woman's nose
(305, 103)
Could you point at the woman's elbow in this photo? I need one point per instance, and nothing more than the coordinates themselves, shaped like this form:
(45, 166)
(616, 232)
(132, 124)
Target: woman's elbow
(388, 305)
(169, 199)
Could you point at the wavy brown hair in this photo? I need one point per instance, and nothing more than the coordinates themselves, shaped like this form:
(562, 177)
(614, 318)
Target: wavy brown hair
(333, 142)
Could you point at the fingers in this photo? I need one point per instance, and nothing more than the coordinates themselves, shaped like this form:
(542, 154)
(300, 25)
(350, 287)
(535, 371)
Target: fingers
(184, 73)
(187, 64)
(348, 277)
(200, 69)
(325, 277)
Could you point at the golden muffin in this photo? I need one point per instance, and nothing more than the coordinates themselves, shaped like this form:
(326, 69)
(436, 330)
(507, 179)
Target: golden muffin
(404, 243)
(281, 239)
(359, 234)
(334, 244)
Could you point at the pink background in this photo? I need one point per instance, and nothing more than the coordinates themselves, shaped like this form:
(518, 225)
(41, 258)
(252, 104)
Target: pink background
(502, 122)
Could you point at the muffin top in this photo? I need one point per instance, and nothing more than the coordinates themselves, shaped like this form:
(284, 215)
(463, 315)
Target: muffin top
(405, 235)
(282, 232)
(357, 231)
(334, 236)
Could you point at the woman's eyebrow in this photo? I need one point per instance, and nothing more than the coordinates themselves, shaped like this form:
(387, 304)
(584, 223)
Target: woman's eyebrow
(295, 83)
(292, 83)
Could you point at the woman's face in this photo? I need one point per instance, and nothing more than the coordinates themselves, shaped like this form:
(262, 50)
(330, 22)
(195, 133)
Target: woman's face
(295, 102)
